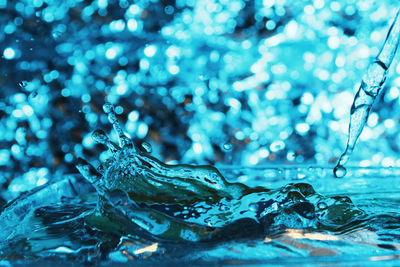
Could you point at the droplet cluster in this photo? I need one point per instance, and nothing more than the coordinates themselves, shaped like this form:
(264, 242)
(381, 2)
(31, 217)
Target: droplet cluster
(235, 82)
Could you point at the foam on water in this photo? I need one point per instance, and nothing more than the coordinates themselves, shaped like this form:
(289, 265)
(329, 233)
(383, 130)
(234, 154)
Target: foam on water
(371, 84)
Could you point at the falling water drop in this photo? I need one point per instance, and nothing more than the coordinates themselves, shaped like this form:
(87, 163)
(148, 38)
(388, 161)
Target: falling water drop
(339, 171)
(371, 85)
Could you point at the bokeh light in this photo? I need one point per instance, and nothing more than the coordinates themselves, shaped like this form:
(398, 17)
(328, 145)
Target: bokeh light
(209, 81)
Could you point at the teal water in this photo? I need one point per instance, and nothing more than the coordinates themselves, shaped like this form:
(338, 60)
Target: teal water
(134, 208)
(59, 229)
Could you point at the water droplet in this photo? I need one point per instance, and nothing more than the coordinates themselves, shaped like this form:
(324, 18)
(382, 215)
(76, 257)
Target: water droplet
(108, 108)
(322, 205)
(112, 118)
(227, 146)
(253, 207)
(339, 171)
(100, 136)
(147, 147)
(23, 84)
(56, 35)
(33, 94)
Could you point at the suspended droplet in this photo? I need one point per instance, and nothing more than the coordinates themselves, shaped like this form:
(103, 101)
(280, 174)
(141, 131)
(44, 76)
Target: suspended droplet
(339, 171)
(99, 136)
(33, 94)
(23, 84)
(112, 118)
(56, 35)
(227, 147)
(147, 147)
(108, 107)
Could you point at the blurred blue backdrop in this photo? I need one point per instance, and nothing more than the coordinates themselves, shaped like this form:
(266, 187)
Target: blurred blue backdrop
(206, 82)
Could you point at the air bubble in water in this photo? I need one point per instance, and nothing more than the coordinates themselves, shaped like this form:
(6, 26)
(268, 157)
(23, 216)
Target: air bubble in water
(339, 171)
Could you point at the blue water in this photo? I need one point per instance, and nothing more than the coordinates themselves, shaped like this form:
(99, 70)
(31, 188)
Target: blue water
(135, 208)
(227, 119)
(57, 230)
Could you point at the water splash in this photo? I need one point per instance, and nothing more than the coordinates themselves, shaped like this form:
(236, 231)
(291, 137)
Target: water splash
(196, 203)
(371, 85)
(138, 205)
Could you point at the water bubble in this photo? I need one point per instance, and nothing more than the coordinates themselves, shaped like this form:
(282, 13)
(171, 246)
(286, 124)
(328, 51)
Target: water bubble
(147, 147)
(108, 108)
(322, 205)
(339, 171)
(227, 146)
